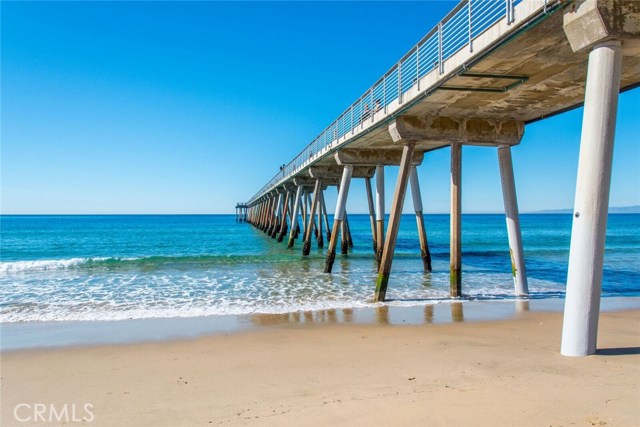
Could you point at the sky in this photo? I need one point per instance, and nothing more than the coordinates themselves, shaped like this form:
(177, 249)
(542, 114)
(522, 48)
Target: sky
(145, 107)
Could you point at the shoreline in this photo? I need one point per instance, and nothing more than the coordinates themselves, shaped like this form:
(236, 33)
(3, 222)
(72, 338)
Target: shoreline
(502, 372)
(51, 335)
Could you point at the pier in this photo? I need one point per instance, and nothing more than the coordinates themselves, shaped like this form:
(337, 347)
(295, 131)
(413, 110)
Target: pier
(478, 78)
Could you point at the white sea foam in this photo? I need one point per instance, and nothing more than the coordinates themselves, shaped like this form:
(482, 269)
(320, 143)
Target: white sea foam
(51, 264)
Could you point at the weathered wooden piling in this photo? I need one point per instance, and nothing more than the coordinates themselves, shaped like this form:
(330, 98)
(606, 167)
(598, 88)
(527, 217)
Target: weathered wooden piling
(455, 237)
(394, 221)
(306, 246)
(417, 207)
(338, 217)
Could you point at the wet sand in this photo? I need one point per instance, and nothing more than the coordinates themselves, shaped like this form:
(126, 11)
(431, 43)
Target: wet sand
(494, 373)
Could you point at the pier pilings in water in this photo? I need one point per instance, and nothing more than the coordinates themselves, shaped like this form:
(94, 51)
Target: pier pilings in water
(412, 137)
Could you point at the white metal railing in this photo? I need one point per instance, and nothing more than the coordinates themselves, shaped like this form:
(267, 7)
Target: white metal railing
(457, 30)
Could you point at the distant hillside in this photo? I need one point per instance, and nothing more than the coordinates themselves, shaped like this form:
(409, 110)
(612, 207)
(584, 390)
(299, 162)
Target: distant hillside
(619, 209)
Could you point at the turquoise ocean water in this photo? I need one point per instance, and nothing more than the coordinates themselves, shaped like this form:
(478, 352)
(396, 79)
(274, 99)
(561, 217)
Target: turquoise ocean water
(77, 268)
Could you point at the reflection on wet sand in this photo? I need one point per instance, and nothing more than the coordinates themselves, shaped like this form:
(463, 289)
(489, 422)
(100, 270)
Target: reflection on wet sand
(318, 316)
(382, 314)
(428, 313)
(457, 312)
(522, 305)
(386, 315)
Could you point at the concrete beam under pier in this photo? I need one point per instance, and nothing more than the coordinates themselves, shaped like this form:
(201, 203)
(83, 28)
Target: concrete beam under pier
(335, 172)
(434, 131)
(369, 157)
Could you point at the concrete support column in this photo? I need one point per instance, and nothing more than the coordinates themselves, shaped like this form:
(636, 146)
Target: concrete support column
(339, 216)
(306, 246)
(319, 236)
(455, 236)
(283, 223)
(417, 207)
(325, 215)
(394, 222)
(513, 221)
(294, 218)
(584, 279)
(268, 214)
(275, 228)
(372, 214)
(379, 211)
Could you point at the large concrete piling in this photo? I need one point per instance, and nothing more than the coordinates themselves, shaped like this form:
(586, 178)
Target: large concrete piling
(455, 229)
(394, 221)
(306, 246)
(417, 207)
(513, 221)
(586, 255)
(338, 217)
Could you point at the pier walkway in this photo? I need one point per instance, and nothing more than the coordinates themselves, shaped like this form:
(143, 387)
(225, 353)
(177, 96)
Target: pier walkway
(477, 78)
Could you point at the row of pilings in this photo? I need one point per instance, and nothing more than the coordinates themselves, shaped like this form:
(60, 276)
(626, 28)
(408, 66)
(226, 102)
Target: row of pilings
(298, 209)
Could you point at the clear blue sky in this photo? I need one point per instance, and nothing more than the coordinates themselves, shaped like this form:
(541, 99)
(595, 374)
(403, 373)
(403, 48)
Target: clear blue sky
(121, 107)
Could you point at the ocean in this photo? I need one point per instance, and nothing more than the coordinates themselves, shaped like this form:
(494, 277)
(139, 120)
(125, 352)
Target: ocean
(106, 268)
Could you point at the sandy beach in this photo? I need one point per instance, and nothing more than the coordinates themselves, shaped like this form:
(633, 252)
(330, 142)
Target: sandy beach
(496, 373)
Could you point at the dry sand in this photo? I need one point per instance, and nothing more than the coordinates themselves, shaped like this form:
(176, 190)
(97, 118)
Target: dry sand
(500, 373)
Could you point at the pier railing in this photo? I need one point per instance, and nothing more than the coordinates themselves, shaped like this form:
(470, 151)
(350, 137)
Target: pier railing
(456, 31)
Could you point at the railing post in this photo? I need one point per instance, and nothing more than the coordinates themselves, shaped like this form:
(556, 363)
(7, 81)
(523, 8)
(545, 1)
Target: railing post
(400, 82)
(352, 126)
(470, 28)
(440, 64)
(371, 107)
(418, 65)
(384, 92)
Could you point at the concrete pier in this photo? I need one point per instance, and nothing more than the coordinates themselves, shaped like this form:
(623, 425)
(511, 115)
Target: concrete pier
(514, 63)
